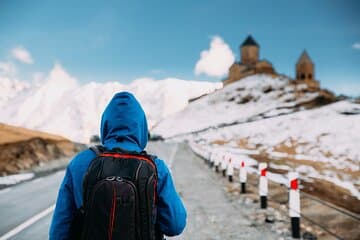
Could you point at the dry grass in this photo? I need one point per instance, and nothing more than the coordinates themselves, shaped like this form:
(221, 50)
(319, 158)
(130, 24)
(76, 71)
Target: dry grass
(21, 149)
(286, 148)
(12, 134)
(244, 144)
(219, 142)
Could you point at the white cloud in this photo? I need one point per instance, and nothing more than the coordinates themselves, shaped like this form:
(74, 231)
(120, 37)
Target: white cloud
(356, 46)
(21, 54)
(7, 68)
(215, 62)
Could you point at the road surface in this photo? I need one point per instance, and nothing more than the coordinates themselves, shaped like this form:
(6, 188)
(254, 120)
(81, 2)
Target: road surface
(26, 209)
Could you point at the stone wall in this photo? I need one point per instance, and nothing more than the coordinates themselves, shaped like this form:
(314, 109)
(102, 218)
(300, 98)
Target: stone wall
(249, 55)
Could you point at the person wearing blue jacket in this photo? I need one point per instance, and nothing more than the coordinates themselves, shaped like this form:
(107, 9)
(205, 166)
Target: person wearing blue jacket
(123, 125)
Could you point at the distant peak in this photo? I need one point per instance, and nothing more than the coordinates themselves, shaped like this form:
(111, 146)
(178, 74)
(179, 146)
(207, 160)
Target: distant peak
(59, 76)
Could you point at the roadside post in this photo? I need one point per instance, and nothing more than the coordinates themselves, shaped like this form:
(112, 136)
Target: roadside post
(243, 176)
(210, 158)
(217, 161)
(223, 165)
(230, 169)
(263, 185)
(294, 204)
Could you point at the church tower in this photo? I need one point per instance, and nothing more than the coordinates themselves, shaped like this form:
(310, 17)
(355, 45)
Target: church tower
(249, 51)
(305, 68)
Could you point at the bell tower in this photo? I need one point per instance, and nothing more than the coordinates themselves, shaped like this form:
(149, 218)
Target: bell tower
(249, 51)
(305, 68)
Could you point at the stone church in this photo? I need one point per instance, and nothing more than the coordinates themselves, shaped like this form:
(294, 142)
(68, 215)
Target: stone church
(305, 71)
(251, 64)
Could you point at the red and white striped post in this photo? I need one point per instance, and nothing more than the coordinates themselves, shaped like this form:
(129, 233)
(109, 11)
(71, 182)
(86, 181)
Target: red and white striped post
(294, 204)
(230, 169)
(263, 185)
(243, 176)
(223, 165)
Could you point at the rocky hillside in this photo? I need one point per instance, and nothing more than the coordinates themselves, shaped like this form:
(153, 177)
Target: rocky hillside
(22, 149)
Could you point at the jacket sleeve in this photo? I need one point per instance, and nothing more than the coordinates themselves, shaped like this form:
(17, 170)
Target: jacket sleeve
(171, 212)
(64, 210)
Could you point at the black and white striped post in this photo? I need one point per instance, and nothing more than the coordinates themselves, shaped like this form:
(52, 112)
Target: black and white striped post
(230, 169)
(210, 159)
(217, 161)
(294, 204)
(243, 176)
(223, 165)
(263, 185)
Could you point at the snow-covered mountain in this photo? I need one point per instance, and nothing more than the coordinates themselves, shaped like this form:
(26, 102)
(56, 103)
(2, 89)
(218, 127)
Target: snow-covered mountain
(59, 104)
(9, 88)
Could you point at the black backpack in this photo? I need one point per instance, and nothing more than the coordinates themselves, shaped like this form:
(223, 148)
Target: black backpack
(119, 197)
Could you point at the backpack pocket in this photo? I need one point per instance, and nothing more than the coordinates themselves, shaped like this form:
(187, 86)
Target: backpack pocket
(111, 213)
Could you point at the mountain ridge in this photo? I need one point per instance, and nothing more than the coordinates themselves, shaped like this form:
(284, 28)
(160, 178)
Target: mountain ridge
(60, 105)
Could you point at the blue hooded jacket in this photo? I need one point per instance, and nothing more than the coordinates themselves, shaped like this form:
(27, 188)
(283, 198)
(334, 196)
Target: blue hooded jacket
(123, 125)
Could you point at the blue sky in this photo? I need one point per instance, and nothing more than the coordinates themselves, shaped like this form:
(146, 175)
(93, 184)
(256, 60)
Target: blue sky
(125, 40)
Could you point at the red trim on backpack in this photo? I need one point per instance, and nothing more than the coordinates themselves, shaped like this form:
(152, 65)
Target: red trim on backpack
(117, 155)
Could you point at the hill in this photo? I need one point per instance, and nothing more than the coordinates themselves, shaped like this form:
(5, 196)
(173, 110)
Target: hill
(286, 125)
(12, 134)
(21, 149)
(253, 98)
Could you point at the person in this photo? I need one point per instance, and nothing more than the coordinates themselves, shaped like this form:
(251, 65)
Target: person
(123, 125)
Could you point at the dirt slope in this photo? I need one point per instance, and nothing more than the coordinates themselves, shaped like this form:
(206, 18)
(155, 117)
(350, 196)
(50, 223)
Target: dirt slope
(22, 149)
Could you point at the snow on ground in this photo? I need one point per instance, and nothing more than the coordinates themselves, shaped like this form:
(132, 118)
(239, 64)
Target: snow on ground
(306, 173)
(60, 105)
(16, 178)
(237, 157)
(323, 135)
(268, 122)
(251, 98)
(325, 142)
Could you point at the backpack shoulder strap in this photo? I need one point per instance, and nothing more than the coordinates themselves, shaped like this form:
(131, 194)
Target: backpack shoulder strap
(97, 149)
(153, 157)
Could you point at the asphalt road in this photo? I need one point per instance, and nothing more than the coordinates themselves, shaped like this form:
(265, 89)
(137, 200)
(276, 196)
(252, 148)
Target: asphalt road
(21, 203)
(26, 209)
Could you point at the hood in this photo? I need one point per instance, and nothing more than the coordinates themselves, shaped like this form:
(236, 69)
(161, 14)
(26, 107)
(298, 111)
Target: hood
(123, 123)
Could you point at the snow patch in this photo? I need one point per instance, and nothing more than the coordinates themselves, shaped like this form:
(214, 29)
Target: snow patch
(16, 178)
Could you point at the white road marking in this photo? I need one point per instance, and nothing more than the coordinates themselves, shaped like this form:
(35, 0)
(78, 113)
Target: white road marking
(172, 156)
(27, 223)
